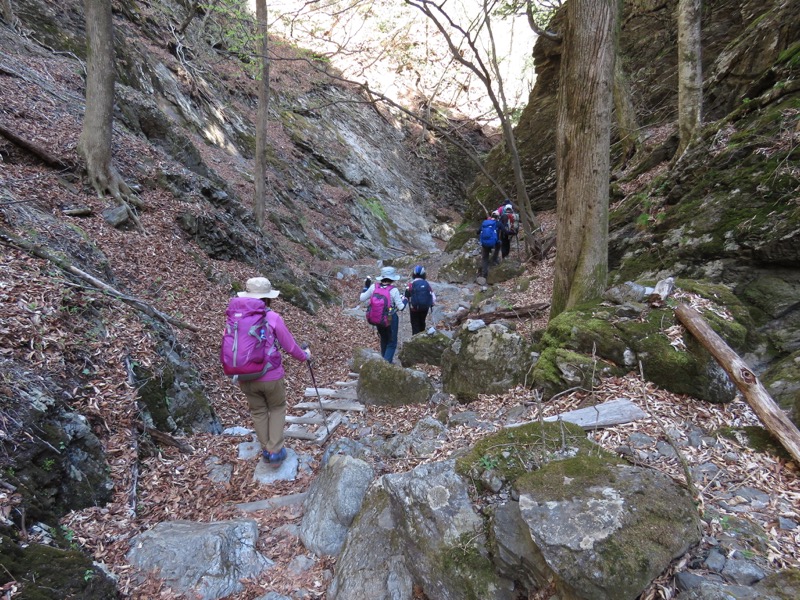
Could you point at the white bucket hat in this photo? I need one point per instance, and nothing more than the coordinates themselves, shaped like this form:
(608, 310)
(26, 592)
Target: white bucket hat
(259, 287)
(388, 273)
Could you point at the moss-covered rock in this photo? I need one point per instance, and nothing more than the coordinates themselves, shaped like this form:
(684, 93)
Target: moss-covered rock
(756, 438)
(559, 369)
(606, 529)
(595, 340)
(515, 451)
(506, 270)
(386, 384)
(361, 356)
(49, 573)
(487, 361)
(462, 268)
(424, 348)
(782, 381)
(783, 585)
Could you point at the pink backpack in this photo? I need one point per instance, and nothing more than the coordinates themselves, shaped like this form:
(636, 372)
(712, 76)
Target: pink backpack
(379, 305)
(248, 342)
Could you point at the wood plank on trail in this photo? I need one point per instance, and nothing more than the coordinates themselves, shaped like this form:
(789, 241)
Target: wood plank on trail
(332, 405)
(299, 433)
(307, 419)
(607, 414)
(342, 394)
(326, 430)
(272, 503)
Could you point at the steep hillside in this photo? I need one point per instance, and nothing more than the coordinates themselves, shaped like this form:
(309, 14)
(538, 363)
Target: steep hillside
(109, 332)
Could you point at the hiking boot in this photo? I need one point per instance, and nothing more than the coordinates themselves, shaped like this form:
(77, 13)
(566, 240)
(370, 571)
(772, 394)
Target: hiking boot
(276, 458)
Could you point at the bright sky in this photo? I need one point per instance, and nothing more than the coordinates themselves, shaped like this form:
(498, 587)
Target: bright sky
(401, 53)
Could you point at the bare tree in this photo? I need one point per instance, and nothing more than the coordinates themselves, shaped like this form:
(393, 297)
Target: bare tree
(94, 144)
(690, 72)
(582, 152)
(260, 171)
(8, 14)
(484, 65)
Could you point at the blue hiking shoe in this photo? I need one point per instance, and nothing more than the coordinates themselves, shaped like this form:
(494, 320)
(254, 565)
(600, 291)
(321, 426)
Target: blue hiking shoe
(276, 458)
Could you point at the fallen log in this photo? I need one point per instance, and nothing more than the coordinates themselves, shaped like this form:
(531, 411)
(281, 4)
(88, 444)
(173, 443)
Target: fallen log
(518, 312)
(771, 415)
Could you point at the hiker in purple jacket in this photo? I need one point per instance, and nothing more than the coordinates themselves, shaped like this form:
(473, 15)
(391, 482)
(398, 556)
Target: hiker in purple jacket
(388, 333)
(266, 396)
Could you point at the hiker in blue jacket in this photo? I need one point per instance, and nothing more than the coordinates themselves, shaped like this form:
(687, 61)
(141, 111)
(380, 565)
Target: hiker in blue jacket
(387, 333)
(420, 299)
(488, 236)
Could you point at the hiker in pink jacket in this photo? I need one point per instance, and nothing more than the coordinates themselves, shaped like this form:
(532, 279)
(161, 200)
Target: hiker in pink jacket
(266, 395)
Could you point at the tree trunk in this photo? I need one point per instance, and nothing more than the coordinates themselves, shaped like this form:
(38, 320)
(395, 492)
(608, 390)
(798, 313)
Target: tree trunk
(690, 72)
(773, 418)
(263, 112)
(582, 152)
(625, 113)
(8, 15)
(94, 144)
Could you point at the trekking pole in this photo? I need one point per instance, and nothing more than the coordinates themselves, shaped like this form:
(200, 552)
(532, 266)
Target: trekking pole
(319, 398)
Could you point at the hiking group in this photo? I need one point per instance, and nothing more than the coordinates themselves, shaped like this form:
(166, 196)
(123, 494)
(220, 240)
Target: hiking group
(495, 235)
(386, 302)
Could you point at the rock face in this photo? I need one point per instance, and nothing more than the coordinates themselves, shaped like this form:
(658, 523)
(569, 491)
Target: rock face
(61, 468)
(484, 360)
(201, 559)
(372, 564)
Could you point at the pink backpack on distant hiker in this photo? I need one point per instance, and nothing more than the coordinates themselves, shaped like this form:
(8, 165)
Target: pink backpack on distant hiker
(248, 342)
(379, 305)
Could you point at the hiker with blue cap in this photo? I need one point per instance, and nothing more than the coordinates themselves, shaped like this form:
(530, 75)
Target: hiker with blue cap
(385, 301)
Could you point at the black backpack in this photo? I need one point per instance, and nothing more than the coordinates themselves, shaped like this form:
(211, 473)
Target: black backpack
(421, 295)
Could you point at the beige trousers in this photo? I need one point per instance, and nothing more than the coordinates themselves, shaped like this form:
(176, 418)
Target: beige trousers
(267, 401)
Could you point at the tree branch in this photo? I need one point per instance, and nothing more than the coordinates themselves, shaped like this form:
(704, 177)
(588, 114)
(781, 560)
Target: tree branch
(10, 239)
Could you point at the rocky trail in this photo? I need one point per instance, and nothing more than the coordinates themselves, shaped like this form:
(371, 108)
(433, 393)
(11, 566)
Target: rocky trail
(749, 501)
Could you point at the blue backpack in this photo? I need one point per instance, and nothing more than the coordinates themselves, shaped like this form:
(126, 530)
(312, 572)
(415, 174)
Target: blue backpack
(421, 295)
(488, 237)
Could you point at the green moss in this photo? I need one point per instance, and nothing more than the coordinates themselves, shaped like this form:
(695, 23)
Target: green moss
(756, 438)
(565, 479)
(375, 207)
(790, 56)
(45, 573)
(579, 330)
(464, 233)
(153, 395)
(513, 452)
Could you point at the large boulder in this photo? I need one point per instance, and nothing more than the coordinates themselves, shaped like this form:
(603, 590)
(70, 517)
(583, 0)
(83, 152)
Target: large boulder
(606, 530)
(484, 360)
(424, 348)
(386, 384)
(204, 560)
(598, 339)
(584, 520)
(333, 501)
